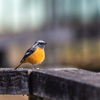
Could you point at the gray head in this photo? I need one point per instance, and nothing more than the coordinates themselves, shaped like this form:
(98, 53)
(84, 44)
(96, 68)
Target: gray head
(40, 43)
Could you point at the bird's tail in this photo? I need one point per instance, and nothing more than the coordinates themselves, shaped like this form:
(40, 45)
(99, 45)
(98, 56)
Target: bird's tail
(18, 66)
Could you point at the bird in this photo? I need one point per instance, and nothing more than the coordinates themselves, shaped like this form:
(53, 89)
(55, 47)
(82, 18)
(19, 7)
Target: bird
(35, 54)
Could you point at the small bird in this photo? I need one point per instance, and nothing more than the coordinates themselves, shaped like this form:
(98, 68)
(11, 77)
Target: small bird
(35, 54)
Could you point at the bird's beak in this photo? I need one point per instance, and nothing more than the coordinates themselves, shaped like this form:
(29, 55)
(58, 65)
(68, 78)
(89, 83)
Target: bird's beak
(45, 43)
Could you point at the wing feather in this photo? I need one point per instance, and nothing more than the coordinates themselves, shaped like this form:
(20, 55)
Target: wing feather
(28, 53)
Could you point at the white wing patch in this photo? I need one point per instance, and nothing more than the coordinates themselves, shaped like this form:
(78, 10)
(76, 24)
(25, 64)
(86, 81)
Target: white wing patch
(27, 53)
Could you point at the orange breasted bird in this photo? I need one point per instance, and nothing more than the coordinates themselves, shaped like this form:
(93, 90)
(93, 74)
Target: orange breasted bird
(35, 54)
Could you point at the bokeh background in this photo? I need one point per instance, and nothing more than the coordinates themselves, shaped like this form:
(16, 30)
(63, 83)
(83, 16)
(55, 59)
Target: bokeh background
(70, 27)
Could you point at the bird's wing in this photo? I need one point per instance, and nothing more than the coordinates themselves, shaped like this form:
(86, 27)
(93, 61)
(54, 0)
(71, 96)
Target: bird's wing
(28, 53)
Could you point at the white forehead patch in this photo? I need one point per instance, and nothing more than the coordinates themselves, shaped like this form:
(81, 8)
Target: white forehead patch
(36, 43)
(41, 41)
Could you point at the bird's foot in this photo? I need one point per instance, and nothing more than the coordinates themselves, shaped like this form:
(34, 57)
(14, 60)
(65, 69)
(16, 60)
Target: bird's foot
(34, 66)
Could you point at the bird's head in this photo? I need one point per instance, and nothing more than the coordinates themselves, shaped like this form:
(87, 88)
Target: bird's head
(40, 43)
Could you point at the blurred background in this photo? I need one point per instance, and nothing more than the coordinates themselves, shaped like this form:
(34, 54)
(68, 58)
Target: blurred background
(70, 27)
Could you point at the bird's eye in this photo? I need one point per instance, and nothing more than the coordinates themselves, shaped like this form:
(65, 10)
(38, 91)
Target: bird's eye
(41, 43)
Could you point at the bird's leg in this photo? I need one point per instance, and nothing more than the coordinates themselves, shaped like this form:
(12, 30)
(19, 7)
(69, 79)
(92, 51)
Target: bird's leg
(34, 66)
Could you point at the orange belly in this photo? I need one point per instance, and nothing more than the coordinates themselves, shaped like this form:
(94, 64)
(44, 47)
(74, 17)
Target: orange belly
(36, 57)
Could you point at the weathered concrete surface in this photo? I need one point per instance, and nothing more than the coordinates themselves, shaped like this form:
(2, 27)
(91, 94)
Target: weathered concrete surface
(65, 84)
(13, 81)
(57, 84)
